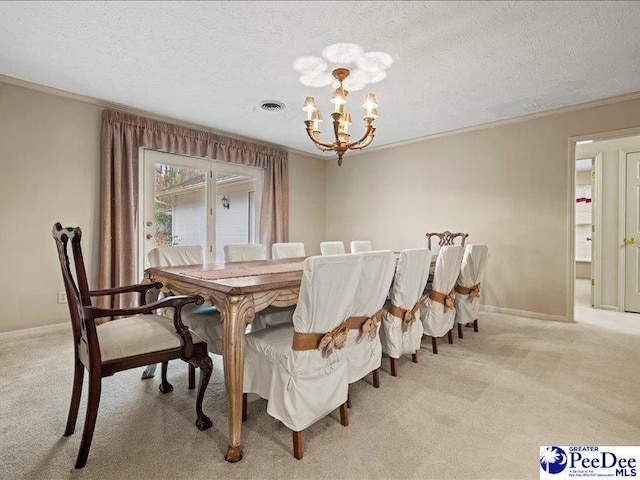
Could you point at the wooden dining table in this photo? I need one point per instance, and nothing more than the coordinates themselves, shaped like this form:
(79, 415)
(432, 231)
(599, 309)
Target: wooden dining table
(238, 290)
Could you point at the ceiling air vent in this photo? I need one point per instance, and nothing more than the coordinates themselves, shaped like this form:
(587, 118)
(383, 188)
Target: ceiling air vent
(272, 106)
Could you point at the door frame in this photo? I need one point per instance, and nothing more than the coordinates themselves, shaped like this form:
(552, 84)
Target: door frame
(571, 213)
(596, 230)
(622, 226)
(211, 197)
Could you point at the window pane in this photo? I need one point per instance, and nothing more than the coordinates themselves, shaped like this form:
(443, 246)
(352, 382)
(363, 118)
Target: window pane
(234, 212)
(180, 205)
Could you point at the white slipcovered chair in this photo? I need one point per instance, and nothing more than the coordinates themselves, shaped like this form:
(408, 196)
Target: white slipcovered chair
(245, 252)
(467, 301)
(175, 255)
(202, 319)
(287, 250)
(401, 330)
(278, 316)
(301, 369)
(364, 350)
(332, 248)
(358, 246)
(438, 311)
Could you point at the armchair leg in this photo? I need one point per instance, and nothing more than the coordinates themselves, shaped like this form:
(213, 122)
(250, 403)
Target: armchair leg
(393, 367)
(78, 378)
(93, 402)
(475, 325)
(376, 378)
(348, 401)
(192, 377)
(165, 386)
(244, 407)
(414, 357)
(434, 345)
(206, 367)
(298, 451)
(459, 330)
(344, 415)
(450, 337)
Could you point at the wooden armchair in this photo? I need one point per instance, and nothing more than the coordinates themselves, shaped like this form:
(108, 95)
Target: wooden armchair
(132, 338)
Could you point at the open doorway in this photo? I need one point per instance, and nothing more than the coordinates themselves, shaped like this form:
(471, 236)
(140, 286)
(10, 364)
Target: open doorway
(584, 232)
(606, 226)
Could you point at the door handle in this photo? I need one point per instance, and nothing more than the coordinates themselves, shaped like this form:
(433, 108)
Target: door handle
(631, 241)
(588, 239)
(149, 236)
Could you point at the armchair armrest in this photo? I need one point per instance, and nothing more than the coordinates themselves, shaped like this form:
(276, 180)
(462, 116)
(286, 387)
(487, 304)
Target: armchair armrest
(176, 302)
(141, 288)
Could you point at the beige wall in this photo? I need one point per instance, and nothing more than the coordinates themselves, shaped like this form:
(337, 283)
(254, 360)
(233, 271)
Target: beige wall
(307, 201)
(506, 185)
(49, 156)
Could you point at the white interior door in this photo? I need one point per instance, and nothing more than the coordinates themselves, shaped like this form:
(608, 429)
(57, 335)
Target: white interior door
(175, 203)
(596, 231)
(632, 234)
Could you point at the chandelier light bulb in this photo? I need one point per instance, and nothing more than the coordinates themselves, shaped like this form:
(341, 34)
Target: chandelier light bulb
(317, 118)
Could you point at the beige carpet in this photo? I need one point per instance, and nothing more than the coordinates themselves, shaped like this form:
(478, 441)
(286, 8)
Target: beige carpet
(479, 409)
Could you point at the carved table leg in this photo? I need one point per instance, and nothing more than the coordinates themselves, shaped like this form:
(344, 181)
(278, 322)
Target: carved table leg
(237, 312)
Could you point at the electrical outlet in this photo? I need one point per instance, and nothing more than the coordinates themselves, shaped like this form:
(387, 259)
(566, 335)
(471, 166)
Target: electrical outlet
(62, 297)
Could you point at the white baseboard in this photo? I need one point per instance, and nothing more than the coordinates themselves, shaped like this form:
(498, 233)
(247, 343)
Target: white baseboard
(612, 308)
(27, 332)
(526, 313)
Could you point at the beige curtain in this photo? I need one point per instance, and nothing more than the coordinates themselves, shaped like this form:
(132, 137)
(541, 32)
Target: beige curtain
(122, 136)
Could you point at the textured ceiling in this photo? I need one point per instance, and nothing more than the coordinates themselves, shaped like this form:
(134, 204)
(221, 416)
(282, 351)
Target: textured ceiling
(456, 64)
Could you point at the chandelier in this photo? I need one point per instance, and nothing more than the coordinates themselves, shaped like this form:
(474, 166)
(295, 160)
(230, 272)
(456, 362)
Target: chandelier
(341, 120)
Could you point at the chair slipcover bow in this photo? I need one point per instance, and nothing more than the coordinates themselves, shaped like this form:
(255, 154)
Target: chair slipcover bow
(473, 292)
(336, 339)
